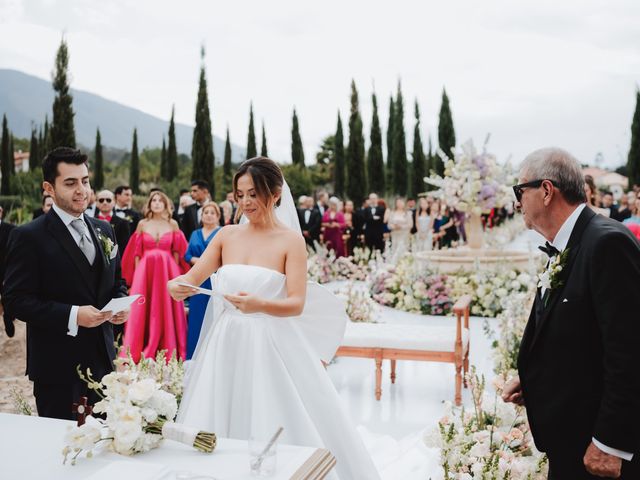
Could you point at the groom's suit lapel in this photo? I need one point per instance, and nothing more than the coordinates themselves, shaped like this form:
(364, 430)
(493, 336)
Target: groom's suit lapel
(554, 295)
(60, 232)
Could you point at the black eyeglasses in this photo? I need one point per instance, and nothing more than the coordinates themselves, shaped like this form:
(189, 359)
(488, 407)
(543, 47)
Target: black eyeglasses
(102, 200)
(518, 190)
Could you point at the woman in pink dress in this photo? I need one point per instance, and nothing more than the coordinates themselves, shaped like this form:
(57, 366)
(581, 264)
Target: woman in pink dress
(154, 255)
(333, 223)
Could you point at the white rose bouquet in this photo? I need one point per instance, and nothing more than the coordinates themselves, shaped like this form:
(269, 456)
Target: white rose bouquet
(138, 414)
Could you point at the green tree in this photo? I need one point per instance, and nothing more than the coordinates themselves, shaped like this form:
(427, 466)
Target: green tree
(419, 160)
(12, 150)
(399, 152)
(297, 152)
(172, 150)
(134, 168)
(62, 131)
(339, 161)
(356, 174)
(633, 160)
(34, 154)
(41, 146)
(46, 138)
(164, 167)
(375, 162)
(429, 160)
(6, 160)
(263, 150)
(446, 132)
(202, 146)
(227, 176)
(325, 155)
(390, 130)
(252, 150)
(98, 169)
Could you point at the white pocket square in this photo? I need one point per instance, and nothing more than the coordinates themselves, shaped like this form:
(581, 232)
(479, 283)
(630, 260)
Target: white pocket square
(114, 252)
(565, 300)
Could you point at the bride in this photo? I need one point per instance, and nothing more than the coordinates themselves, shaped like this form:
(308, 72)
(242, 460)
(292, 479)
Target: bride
(258, 363)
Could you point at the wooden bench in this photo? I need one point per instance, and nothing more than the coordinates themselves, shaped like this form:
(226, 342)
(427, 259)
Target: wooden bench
(382, 341)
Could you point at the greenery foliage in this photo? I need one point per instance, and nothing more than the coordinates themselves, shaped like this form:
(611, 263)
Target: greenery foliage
(62, 130)
(375, 162)
(446, 133)
(633, 160)
(356, 174)
(297, 152)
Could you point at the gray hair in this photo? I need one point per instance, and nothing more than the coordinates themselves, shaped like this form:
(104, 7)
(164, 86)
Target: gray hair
(559, 166)
(335, 201)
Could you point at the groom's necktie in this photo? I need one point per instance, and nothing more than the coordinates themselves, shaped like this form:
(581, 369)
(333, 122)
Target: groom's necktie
(85, 244)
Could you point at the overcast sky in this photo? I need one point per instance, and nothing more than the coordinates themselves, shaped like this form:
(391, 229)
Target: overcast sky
(532, 74)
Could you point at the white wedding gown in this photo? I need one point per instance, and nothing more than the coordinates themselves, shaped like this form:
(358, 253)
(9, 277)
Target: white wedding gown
(254, 372)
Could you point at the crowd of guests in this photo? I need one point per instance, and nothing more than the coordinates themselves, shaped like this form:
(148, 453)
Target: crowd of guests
(626, 209)
(165, 239)
(417, 225)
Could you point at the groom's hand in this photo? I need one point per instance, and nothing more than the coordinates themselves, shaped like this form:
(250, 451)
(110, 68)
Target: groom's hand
(512, 392)
(120, 317)
(90, 317)
(602, 464)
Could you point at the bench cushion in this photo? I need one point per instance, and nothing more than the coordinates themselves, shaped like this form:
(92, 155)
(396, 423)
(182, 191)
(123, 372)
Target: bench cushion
(403, 337)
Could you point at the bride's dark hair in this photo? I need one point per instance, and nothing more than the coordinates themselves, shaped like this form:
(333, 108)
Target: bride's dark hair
(267, 180)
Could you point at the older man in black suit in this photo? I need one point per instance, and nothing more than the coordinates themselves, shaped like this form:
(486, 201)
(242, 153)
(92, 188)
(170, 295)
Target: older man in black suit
(62, 269)
(579, 356)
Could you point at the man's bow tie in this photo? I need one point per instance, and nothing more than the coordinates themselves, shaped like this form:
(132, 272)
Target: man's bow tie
(549, 249)
(121, 209)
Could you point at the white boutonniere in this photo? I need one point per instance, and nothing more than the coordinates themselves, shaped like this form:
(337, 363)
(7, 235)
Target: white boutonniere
(109, 248)
(550, 278)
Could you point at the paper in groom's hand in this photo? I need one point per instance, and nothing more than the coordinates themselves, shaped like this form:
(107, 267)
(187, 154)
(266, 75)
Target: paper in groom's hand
(117, 305)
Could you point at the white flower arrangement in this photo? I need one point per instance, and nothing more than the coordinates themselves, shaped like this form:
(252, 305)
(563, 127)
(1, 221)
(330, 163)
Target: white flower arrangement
(138, 412)
(473, 182)
(360, 307)
(491, 442)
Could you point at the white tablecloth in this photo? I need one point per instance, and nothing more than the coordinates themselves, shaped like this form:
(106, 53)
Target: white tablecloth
(31, 448)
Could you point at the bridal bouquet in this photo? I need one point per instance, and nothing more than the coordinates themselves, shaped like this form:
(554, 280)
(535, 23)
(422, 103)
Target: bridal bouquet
(491, 442)
(138, 414)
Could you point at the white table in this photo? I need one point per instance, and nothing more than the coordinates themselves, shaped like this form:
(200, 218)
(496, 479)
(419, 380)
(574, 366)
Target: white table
(31, 448)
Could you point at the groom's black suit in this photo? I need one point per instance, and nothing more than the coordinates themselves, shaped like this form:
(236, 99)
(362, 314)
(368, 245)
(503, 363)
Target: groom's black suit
(46, 275)
(580, 353)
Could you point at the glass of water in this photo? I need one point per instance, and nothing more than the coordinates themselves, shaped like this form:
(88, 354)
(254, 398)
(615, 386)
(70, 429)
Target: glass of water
(261, 463)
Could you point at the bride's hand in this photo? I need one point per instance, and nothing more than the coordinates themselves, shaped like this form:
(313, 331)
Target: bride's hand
(179, 292)
(246, 303)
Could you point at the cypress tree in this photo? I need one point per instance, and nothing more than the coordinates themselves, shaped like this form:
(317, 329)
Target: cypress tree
(263, 149)
(46, 139)
(12, 150)
(134, 170)
(356, 174)
(338, 152)
(172, 150)
(34, 154)
(41, 146)
(252, 150)
(419, 161)
(6, 162)
(202, 146)
(446, 133)
(375, 163)
(164, 167)
(390, 130)
(633, 160)
(399, 152)
(62, 131)
(98, 173)
(429, 160)
(297, 153)
(227, 176)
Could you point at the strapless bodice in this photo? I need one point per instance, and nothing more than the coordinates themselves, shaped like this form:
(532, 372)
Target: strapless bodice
(261, 281)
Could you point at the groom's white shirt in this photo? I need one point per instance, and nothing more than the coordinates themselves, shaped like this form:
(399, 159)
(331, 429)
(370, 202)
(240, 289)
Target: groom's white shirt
(560, 242)
(72, 325)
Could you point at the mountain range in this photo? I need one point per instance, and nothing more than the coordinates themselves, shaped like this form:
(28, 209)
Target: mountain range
(26, 99)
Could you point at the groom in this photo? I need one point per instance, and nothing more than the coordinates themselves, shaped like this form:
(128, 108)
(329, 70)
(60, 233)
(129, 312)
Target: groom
(579, 356)
(60, 272)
